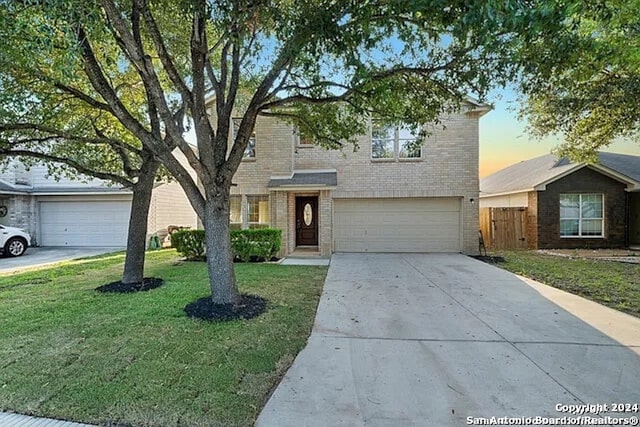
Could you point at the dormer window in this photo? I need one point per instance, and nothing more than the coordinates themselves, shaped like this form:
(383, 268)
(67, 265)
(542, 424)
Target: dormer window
(395, 142)
(250, 151)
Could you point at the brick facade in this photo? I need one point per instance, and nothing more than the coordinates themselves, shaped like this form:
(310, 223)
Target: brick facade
(634, 219)
(20, 213)
(584, 180)
(448, 168)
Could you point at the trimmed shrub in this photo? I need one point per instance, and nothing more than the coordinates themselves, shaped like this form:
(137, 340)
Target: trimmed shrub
(189, 244)
(261, 243)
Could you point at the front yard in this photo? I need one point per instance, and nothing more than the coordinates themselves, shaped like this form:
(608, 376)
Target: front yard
(69, 352)
(614, 284)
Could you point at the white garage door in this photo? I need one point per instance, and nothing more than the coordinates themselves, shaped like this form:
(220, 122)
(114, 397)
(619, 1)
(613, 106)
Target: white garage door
(90, 223)
(397, 225)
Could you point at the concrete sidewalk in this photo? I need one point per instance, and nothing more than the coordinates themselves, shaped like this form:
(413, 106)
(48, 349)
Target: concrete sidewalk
(8, 419)
(429, 340)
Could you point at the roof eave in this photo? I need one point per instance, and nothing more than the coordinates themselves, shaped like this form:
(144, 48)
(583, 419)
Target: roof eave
(81, 192)
(542, 186)
(598, 168)
(303, 187)
(13, 193)
(631, 183)
(505, 193)
(477, 106)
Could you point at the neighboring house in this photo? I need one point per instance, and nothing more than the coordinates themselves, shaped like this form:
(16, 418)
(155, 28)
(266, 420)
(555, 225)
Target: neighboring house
(82, 213)
(571, 205)
(384, 197)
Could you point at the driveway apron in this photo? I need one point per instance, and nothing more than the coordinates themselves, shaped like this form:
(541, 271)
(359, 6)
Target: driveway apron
(40, 257)
(434, 339)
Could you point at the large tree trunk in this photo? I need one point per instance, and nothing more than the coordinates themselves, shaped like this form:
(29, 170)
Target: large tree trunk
(137, 236)
(219, 256)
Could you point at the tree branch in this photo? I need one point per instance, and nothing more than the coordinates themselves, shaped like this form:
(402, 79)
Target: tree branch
(204, 133)
(78, 94)
(332, 141)
(132, 47)
(165, 58)
(74, 164)
(57, 133)
(258, 99)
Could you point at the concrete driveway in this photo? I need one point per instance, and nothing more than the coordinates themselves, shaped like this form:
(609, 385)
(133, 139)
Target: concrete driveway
(430, 340)
(38, 257)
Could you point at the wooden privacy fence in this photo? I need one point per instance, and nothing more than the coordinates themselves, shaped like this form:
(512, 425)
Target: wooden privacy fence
(504, 228)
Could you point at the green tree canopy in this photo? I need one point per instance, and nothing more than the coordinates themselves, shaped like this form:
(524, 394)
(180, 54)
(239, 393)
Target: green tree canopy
(45, 118)
(323, 65)
(583, 82)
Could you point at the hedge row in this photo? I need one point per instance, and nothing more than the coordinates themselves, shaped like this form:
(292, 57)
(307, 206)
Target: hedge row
(260, 243)
(189, 244)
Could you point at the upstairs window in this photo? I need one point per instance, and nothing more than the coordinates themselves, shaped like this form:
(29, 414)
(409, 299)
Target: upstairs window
(581, 215)
(250, 151)
(382, 141)
(409, 143)
(395, 142)
(302, 139)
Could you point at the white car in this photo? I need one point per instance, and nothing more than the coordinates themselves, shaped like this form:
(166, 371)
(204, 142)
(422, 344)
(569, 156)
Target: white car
(13, 241)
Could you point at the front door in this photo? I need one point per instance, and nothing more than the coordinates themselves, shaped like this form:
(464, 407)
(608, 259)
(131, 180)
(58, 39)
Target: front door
(306, 221)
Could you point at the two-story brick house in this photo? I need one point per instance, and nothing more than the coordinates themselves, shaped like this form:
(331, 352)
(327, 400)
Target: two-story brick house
(384, 197)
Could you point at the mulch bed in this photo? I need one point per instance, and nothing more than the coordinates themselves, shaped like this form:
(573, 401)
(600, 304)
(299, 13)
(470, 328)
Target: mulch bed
(250, 306)
(147, 284)
(489, 259)
(254, 258)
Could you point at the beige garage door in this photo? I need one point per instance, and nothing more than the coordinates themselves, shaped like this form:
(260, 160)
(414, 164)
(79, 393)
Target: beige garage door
(397, 225)
(90, 223)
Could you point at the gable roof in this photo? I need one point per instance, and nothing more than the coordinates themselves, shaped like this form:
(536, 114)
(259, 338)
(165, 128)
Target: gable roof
(536, 173)
(622, 163)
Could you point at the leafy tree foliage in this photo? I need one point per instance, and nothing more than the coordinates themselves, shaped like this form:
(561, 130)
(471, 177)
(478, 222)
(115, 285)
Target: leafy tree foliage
(584, 80)
(323, 65)
(59, 129)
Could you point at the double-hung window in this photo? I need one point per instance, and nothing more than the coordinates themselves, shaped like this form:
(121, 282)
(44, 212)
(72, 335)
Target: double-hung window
(249, 212)
(250, 151)
(395, 142)
(258, 211)
(235, 213)
(581, 215)
(383, 141)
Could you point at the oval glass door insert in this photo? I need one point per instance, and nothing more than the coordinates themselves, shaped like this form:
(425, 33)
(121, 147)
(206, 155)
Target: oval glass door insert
(307, 214)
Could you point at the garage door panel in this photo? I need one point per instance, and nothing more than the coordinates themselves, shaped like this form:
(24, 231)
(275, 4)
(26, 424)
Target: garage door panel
(90, 223)
(397, 225)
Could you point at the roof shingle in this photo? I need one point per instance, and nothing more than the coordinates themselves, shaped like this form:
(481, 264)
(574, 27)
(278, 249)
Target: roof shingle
(527, 174)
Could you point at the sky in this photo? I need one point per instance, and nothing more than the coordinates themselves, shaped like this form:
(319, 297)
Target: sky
(504, 141)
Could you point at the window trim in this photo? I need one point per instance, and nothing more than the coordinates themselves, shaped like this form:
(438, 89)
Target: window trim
(266, 198)
(231, 223)
(396, 147)
(580, 218)
(298, 144)
(253, 135)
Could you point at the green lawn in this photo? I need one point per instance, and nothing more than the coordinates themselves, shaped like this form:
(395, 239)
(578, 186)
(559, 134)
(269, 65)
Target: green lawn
(69, 352)
(614, 284)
